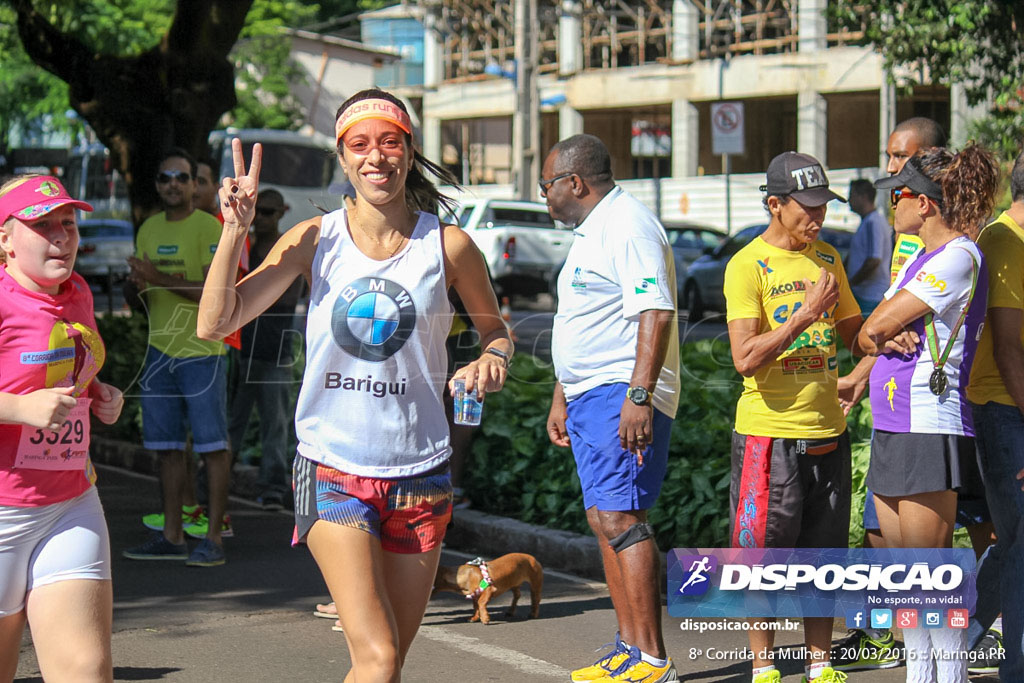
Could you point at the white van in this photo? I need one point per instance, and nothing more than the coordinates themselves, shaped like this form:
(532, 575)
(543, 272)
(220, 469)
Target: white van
(303, 168)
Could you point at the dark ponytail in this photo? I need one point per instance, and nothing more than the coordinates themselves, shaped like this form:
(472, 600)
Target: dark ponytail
(420, 193)
(969, 181)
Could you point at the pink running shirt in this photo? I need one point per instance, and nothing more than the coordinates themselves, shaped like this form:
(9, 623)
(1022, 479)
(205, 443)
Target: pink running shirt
(45, 341)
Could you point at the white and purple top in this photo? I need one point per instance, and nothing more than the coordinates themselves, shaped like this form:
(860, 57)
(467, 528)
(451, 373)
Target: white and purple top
(901, 400)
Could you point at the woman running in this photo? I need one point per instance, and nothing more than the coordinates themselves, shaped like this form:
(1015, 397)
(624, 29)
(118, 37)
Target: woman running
(372, 487)
(54, 546)
(923, 442)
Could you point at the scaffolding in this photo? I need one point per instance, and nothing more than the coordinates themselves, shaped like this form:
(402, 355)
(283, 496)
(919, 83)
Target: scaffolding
(478, 37)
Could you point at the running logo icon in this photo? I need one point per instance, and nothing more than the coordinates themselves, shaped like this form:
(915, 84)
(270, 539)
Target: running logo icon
(698, 568)
(373, 318)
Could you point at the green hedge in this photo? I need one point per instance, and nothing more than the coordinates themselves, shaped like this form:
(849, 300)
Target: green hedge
(516, 471)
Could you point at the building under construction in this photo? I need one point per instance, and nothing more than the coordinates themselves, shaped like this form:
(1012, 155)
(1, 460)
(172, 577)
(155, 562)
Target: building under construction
(643, 75)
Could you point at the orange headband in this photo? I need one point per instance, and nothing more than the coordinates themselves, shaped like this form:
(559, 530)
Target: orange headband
(372, 109)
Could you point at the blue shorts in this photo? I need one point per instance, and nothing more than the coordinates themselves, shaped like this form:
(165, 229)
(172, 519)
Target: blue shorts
(179, 393)
(610, 476)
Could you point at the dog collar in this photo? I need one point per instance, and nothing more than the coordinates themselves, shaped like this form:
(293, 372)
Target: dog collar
(484, 582)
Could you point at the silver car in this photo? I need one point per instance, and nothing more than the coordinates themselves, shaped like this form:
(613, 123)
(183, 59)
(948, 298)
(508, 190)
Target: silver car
(705, 279)
(104, 245)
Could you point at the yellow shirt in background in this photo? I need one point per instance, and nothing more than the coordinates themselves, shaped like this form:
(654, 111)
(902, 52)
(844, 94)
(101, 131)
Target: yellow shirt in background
(795, 396)
(906, 246)
(1002, 243)
(183, 248)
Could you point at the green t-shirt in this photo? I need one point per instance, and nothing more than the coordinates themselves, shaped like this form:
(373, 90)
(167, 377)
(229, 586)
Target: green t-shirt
(182, 248)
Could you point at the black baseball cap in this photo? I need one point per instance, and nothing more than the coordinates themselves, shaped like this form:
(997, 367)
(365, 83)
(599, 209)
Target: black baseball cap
(801, 177)
(910, 176)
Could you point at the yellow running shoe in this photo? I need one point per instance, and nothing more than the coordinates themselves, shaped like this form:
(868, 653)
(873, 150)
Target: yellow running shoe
(636, 670)
(605, 665)
(772, 676)
(829, 675)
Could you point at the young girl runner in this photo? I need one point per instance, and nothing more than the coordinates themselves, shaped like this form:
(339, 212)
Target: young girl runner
(372, 487)
(54, 547)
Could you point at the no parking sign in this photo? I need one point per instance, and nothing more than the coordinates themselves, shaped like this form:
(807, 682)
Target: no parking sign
(727, 128)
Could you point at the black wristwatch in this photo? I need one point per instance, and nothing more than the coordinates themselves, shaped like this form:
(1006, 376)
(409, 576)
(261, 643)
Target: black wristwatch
(639, 395)
(500, 354)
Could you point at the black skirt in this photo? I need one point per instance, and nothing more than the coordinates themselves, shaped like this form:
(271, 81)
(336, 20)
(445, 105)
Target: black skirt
(904, 464)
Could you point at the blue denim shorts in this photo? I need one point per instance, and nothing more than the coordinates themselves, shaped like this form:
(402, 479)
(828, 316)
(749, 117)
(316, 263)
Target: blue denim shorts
(610, 476)
(183, 393)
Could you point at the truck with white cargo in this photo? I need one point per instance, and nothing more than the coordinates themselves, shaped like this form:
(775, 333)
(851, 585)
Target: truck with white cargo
(522, 245)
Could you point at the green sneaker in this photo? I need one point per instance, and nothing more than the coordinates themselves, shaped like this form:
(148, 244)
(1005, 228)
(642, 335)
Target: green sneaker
(201, 525)
(829, 675)
(190, 514)
(988, 654)
(858, 652)
(773, 676)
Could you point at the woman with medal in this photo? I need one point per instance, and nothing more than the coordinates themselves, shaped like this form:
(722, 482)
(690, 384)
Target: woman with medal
(922, 450)
(373, 491)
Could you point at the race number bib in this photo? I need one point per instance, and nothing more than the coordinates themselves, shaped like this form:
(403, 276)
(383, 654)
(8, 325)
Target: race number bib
(64, 449)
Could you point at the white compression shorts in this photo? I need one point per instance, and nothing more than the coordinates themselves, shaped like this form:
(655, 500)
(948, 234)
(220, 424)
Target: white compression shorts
(50, 543)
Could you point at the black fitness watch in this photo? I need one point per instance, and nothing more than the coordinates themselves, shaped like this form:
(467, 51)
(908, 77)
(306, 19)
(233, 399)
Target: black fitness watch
(639, 395)
(500, 354)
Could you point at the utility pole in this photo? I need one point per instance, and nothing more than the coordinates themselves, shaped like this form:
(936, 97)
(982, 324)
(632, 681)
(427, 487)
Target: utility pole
(526, 119)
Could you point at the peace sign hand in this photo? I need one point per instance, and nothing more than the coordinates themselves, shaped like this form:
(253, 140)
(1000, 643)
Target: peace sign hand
(238, 195)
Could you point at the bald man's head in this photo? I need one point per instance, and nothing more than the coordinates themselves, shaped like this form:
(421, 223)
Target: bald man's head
(908, 137)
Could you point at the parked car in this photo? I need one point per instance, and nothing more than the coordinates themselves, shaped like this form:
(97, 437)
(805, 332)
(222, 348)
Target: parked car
(103, 246)
(689, 242)
(705, 279)
(522, 245)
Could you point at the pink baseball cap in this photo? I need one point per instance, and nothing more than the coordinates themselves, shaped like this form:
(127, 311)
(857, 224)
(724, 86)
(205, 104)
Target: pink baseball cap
(34, 197)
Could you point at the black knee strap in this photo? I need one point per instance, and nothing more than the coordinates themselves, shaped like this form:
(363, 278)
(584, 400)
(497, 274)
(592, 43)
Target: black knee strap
(640, 531)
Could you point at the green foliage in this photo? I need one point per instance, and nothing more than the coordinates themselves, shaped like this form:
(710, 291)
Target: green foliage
(516, 471)
(126, 339)
(975, 43)
(30, 96)
(264, 70)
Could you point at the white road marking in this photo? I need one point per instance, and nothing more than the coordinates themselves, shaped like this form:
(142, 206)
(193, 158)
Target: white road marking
(523, 662)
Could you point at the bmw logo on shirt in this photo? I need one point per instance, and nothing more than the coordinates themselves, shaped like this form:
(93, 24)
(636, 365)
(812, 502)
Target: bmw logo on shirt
(372, 318)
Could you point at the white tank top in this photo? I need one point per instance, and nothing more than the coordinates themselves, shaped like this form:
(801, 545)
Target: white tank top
(370, 402)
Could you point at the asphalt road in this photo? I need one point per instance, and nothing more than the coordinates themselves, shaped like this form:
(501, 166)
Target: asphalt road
(251, 620)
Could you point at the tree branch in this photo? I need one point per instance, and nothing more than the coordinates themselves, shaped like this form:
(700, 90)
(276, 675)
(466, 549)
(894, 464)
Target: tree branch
(63, 55)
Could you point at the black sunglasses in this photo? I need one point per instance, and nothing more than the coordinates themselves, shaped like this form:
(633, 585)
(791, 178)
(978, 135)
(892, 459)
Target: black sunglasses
(165, 177)
(545, 184)
(266, 210)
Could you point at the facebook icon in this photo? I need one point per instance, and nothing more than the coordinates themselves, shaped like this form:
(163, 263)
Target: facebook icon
(855, 618)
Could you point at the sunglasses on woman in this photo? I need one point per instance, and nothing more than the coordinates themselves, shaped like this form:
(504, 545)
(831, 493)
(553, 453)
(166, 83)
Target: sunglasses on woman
(898, 193)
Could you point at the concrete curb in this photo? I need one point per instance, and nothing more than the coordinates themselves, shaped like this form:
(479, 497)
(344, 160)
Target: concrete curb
(472, 531)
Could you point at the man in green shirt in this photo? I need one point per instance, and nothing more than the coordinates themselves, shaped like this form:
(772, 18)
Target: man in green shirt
(184, 380)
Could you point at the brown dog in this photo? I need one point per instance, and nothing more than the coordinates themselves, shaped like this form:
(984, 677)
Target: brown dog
(507, 572)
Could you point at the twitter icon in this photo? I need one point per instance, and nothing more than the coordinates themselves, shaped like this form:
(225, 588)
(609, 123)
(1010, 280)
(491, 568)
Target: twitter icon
(881, 618)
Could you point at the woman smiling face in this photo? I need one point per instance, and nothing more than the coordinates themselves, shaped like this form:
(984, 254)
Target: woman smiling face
(377, 157)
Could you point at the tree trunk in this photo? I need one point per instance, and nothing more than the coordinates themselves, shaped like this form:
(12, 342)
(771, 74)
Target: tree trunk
(141, 106)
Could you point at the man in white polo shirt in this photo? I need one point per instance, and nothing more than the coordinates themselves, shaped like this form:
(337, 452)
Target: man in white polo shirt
(615, 346)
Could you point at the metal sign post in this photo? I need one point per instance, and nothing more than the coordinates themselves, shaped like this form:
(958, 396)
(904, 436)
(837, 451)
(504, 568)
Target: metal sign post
(727, 138)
